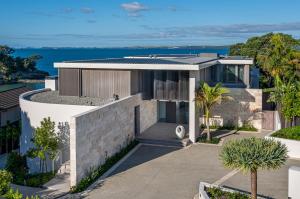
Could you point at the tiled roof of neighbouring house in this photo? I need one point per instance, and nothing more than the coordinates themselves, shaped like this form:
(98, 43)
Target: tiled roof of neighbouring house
(10, 98)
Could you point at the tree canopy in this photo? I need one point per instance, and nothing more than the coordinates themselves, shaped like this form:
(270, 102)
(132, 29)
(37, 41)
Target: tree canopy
(274, 53)
(10, 64)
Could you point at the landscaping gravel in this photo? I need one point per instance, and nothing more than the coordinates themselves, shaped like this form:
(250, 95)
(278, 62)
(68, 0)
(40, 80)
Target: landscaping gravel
(53, 97)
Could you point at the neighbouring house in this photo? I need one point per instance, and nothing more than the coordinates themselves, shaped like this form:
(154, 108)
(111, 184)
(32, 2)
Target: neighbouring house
(9, 102)
(101, 105)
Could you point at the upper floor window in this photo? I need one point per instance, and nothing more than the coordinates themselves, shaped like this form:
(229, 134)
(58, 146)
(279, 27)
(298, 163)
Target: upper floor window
(227, 73)
(233, 73)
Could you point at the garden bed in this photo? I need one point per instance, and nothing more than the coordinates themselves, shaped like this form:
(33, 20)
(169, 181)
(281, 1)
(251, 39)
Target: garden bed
(209, 191)
(290, 137)
(34, 180)
(292, 133)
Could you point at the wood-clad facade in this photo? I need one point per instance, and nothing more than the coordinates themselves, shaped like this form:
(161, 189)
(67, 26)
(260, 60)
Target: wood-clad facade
(69, 81)
(104, 84)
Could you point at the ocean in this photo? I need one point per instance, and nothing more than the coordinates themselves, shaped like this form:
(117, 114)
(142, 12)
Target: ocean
(51, 55)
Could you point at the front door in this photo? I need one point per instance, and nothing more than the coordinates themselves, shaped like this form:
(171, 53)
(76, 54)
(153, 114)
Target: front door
(137, 121)
(171, 112)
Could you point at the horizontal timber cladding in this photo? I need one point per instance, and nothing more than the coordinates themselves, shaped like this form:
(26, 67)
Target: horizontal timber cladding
(105, 83)
(171, 85)
(69, 81)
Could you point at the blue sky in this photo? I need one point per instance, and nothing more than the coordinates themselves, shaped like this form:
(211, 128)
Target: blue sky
(120, 23)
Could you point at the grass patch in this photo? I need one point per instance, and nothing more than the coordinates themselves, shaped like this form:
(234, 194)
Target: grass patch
(202, 139)
(217, 193)
(96, 173)
(34, 180)
(292, 133)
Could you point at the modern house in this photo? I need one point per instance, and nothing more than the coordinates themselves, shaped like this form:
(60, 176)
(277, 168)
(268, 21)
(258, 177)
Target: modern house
(103, 104)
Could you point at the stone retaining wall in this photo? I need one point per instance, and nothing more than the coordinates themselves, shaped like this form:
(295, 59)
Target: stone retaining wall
(98, 134)
(245, 106)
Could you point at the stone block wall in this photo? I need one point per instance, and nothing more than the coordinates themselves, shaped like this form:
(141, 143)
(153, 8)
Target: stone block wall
(245, 106)
(98, 134)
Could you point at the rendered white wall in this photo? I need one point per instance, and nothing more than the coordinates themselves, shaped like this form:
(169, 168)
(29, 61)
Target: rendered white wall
(292, 145)
(294, 182)
(32, 113)
(52, 84)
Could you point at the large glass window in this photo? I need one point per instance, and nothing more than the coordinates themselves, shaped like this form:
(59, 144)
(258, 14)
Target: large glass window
(229, 74)
(240, 73)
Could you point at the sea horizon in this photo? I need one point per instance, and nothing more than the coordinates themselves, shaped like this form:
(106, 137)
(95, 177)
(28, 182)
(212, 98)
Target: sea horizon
(53, 54)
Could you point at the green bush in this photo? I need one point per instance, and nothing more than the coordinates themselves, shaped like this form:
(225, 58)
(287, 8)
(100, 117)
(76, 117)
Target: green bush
(17, 165)
(11, 194)
(33, 197)
(217, 193)
(5, 180)
(37, 180)
(292, 133)
(96, 173)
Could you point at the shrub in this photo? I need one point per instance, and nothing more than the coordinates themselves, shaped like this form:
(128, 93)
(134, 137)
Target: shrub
(247, 126)
(33, 197)
(292, 133)
(217, 193)
(5, 180)
(17, 165)
(11, 194)
(37, 180)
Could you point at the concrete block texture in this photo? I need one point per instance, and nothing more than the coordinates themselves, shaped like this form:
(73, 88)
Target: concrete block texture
(245, 107)
(99, 134)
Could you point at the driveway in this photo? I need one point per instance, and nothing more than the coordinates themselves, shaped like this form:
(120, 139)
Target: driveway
(169, 172)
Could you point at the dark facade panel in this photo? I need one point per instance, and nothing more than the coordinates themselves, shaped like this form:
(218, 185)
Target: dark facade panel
(183, 85)
(69, 81)
(171, 85)
(148, 84)
(105, 83)
(136, 81)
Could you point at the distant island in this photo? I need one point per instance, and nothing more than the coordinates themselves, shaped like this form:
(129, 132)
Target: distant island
(135, 47)
(13, 69)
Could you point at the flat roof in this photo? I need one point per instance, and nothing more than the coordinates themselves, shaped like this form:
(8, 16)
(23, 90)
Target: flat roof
(155, 62)
(128, 61)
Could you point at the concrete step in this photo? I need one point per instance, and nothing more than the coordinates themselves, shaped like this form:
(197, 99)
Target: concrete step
(174, 143)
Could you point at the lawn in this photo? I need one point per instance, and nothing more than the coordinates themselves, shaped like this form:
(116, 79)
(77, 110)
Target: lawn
(292, 133)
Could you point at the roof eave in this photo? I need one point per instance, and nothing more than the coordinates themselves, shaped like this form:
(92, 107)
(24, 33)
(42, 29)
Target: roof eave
(187, 67)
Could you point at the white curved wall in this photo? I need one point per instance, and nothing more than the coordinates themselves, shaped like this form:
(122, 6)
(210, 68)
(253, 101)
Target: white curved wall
(32, 113)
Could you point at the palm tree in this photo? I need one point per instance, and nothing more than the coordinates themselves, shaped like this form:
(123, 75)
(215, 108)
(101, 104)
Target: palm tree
(207, 97)
(251, 154)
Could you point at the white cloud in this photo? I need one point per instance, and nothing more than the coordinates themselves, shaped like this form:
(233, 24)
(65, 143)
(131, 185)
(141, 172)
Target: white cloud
(87, 10)
(134, 8)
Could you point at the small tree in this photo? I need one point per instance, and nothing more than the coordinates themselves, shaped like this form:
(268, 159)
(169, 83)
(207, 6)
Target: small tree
(286, 95)
(207, 97)
(46, 143)
(5, 180)
(251, 154)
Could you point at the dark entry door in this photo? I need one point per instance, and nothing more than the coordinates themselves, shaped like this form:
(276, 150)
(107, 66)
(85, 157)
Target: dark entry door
(171, 112)
(137, 120)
